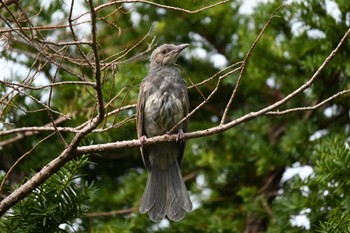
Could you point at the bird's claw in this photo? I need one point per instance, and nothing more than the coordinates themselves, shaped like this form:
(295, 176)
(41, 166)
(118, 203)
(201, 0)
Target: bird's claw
(180, 136)
(143, 139)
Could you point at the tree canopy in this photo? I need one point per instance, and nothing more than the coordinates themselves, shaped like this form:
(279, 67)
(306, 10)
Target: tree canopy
(269, 95)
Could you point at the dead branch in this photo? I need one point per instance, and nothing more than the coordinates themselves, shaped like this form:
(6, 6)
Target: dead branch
(69, 152)
(56, 52)
(308, 108)
(111, 213)
(219, 128)
(245, 61)
(100, 7)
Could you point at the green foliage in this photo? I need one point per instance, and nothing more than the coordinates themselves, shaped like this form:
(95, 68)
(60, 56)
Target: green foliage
(60, 200)
(336, 224)
(235, 177)
(323, 197)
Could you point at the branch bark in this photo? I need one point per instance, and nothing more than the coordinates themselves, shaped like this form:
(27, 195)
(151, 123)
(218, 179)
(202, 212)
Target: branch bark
(73, 149)
(70, 151)
(160, 5)
(219, 128)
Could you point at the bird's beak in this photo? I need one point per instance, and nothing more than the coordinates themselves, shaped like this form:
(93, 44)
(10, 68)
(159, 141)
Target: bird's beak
(180, 47)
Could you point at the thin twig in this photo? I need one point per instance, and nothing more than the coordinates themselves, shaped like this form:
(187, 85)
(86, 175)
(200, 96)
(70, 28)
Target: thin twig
(69, 152)
(308, 108)
(111, 213)
(100, 7)
(229, 103)
(97, 70)
(205, 99)
(65, 43)
(219, 128)
(141, 54)
(73, 148)
(11, 84)
(39, 102)
(42, 28)
(28, 131)
(6, 2)
(127, 51)
(74, 36)
(20, 159)
(216, 74)
(192, 84)
(49, 113)
(115, 125)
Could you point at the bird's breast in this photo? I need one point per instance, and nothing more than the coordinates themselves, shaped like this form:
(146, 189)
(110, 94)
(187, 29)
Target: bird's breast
(163, 109)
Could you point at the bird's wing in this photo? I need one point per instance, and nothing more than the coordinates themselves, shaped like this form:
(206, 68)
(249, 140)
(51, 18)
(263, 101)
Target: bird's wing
(140, 108)
(186, 107)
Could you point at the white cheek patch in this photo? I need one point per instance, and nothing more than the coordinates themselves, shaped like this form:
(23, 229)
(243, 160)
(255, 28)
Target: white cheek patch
(159, 58)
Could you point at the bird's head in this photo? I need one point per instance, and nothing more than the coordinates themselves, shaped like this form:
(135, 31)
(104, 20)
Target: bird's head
(166, 54)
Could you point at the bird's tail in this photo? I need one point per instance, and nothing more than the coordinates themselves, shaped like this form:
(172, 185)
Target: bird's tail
(165, 194)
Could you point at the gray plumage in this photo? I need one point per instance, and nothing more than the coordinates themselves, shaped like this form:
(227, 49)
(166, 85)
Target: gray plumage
(162, 103)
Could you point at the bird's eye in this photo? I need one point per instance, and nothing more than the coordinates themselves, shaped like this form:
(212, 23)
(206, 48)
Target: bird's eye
(164, 51)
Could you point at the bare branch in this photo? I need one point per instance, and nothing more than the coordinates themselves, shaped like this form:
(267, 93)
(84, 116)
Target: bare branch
(28, 131)
(308, 108)
(229, 103)
(100, 7)
(216, 74)
(11, 84)
(141, 54)
(219, 128)
(42, 175)
(69, 152)
(64, 43)
(42, 28)
(57, 52)
(7, 3)
(111, 213)
(205, 99)
(97, 70)
(39, 102)
(74, 36)
(21, 158)
(107, 65)
(50, 115)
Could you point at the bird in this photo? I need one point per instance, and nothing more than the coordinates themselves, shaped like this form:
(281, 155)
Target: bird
(162, 103)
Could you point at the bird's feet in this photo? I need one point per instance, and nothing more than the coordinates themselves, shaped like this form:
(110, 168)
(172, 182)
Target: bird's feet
(180, 136)
(143, 139)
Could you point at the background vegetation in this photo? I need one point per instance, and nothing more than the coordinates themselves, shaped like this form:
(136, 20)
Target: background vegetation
(240, 180)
